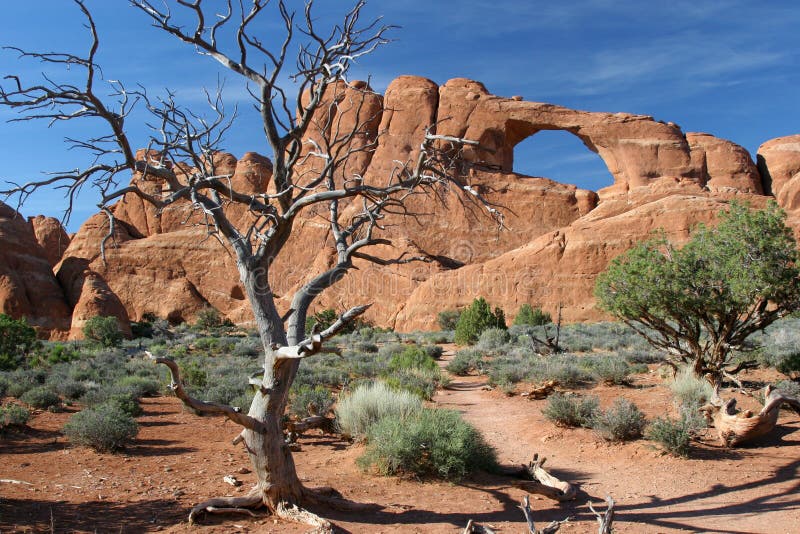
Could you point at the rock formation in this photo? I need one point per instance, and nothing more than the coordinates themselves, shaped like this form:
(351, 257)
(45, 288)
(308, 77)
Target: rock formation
(557, 237)
(27, 285)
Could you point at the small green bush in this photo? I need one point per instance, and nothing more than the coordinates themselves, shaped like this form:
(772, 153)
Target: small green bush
(610, 369)
(55, 353)
(311, 401)
(477, 318)
(368, 403)
(434, 351)
(103, 330)
(208, 318)
(13, 415)
(530, 316)
(105, 428)
(493, 339)
(622, 422)
(789, 364)
(464, 362)
(412, 357)
(70, 389)
(689, 390)
(788, 387)
(428, 442)
(4, 383)
(138, 386)
(17, 339)
(448, 319)
(422, 382)
(125, 402)
(571, 410)
(674, 436)
(41, 397)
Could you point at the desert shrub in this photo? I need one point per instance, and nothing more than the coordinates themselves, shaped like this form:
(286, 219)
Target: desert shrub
(194, 374)
(366, 346)
(103, 331)
(493, 339)
(563, 368)
(4, 383)
(70, 389)
(419, 381)
(247, 347)
(125, 402)
(642, 356)
(391, 349)
(359, 410)
(17, 339)
(22, 380)
(789, 364)
(311, 401)
(138, 386)
(622, 422)
(673, 435)
(448, 319)
(428, 442)
(55, 353)
(689, 390)
(609, 369)
(788, 387)
(13, 415)
(528, 315)
(412, 357)
(105, 428)
(464, 362)
(571, 410)
(41, 397)
(208, 318)
(434, 351)
(475, 319)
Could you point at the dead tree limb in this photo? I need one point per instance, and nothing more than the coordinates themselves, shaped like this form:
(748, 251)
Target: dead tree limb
(211, 408)
(735, 427)
(552, 528)
(537, 480)
(604, 521)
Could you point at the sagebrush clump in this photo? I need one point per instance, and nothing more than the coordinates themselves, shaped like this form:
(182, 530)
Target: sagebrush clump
(104, 428)
(571, 410)
(622, 422)
(428, 442)
(368, 403)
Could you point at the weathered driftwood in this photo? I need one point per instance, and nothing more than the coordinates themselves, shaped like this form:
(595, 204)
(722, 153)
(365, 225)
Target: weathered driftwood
(604, 521)
(536, 480)
(735, 427)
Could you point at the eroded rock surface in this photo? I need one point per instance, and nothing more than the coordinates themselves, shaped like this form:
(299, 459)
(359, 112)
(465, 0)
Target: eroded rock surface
(557, 237)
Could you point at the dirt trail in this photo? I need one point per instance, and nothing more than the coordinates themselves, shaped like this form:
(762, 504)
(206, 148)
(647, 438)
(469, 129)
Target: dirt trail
(747, 490)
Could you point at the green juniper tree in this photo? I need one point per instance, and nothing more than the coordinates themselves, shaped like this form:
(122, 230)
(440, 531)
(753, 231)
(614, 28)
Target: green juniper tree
(701, 302)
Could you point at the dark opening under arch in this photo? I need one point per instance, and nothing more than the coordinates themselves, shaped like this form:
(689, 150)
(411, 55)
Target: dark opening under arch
(562, 157)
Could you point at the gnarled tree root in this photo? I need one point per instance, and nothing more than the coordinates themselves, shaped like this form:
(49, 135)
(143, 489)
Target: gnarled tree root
(735, 427)
(227, 505)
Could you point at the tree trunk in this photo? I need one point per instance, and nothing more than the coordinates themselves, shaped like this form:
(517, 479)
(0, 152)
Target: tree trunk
(278, 484)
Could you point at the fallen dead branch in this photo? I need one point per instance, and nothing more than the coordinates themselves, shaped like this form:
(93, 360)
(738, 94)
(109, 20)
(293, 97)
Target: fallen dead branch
(535, 479)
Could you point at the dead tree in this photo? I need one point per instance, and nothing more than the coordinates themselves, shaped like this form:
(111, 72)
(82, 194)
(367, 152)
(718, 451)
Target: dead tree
(735, 427)
(311, 145)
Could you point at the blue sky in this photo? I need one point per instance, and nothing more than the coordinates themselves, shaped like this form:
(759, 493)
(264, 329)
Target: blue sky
(729, 68)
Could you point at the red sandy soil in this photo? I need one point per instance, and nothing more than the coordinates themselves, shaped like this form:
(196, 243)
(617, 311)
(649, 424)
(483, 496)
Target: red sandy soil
(179, 459)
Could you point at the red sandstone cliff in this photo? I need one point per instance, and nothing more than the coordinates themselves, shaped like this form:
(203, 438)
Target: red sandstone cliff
(558, 237)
